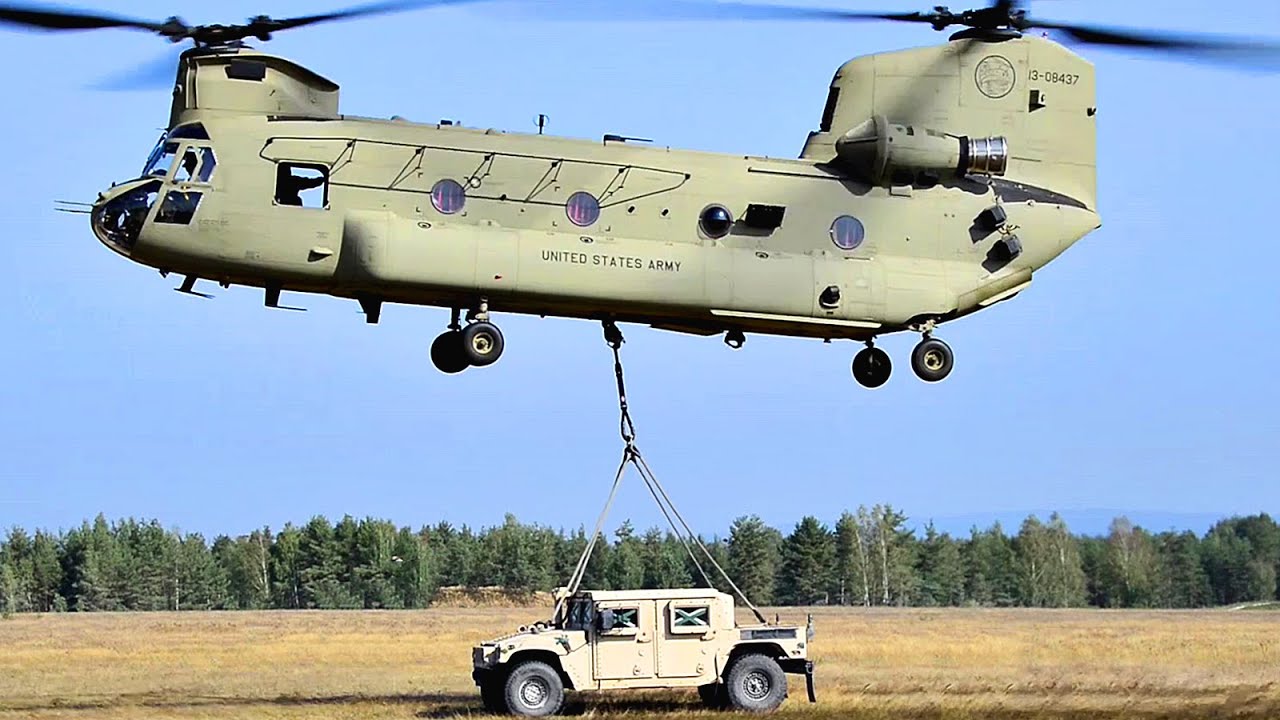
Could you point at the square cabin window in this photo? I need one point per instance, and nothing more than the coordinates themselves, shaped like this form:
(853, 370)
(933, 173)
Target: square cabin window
(179, 208)
(302, 185)
(692, 619)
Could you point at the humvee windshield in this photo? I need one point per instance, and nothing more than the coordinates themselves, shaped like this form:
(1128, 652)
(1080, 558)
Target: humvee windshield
(580, 616)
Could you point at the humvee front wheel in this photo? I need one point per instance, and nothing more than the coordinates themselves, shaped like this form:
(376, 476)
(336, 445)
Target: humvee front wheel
(534, 689)
(756, 683)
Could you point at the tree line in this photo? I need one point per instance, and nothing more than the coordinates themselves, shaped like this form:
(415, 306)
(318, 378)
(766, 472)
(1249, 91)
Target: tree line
(868, 557)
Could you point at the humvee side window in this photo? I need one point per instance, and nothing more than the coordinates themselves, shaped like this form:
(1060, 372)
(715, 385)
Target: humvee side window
(690, 618)
(626, 618)
(302, 185)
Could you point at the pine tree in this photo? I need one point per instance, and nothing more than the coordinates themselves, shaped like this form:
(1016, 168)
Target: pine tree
(941, 570)
(753, 558)
(664, 565)
(992, 568)
(286, 569)
(626, 566)
(808, 564)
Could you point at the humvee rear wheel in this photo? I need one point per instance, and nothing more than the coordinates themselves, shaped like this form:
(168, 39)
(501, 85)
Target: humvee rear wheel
(534, 689)
(756, 683)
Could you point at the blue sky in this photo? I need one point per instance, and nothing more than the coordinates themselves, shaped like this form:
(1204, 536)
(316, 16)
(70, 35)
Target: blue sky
(1136, 374)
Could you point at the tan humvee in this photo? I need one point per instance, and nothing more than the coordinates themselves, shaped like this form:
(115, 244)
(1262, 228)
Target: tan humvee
(642, 639)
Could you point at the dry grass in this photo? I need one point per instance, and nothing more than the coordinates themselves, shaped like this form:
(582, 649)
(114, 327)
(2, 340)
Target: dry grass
(946, 664)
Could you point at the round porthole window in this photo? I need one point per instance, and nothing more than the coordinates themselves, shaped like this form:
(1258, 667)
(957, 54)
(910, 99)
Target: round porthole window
(448, 196)
(847, 232)
(582, 208)
(715, 221)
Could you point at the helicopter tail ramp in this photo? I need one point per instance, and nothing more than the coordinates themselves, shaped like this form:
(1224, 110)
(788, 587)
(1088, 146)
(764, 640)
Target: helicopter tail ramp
(1032, 92)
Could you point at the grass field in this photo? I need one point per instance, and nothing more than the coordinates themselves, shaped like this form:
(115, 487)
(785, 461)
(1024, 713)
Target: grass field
(968, 664)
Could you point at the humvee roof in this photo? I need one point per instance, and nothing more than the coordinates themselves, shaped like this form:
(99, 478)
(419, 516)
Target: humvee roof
(679, 594)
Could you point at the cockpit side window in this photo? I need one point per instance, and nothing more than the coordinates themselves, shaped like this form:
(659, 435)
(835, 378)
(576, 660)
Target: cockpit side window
(179, 207)
(208, 163)
(302, 185)
(186, 172)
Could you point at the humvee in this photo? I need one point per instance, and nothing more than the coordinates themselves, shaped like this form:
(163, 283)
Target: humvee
(642, 639)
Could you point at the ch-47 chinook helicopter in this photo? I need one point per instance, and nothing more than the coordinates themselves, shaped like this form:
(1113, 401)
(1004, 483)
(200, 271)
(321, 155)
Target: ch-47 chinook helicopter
(939, 180)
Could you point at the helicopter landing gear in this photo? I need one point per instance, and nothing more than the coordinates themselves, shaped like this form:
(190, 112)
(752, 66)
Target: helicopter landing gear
(735, 339)
(932, 360)
(479, 344)
(872, 367)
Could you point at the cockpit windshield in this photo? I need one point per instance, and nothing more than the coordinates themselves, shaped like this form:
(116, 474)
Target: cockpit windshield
(161, 158)
(166, 150)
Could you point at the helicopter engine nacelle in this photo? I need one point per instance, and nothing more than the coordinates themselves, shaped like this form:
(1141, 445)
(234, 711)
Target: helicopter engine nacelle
(881, 151)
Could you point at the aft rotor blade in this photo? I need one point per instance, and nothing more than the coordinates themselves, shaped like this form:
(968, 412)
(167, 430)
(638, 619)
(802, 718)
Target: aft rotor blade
(1238, 50)
(69, 19)
(664, 10)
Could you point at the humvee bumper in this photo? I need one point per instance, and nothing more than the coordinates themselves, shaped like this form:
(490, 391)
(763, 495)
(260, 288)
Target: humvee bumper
(798, 667)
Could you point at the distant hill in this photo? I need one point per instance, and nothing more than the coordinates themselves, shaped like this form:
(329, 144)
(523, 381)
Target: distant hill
(1081, 522)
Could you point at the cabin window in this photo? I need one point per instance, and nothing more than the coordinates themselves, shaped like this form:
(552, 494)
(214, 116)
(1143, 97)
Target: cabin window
(448, 196)
(302, 185)
(690, 618)
(847, 232)
(582, 208)
(178, 208)
(186, 171)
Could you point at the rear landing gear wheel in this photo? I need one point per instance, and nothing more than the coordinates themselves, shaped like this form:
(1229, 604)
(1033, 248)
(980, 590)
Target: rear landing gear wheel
(872, 367)
(446, 353)
(932, 360)
(482, 343)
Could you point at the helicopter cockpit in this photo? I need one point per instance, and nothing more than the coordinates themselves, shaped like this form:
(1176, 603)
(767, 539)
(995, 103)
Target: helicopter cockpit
(119, 218)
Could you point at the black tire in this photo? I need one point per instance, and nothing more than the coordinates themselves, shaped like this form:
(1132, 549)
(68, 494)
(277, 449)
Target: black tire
(492, 694)
(756, 683)
(447, 355)
(713, 696)
(872, 367)
(482, 343)
(932, 360)
(533, 689)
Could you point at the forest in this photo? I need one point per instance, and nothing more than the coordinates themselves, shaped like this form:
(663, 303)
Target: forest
(868, 557)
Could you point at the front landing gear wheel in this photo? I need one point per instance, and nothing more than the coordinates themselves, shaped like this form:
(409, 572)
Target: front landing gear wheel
(533, 689)
(756, 683)
(481, 343)
(932, 360)
(446, 353)
(872, 367)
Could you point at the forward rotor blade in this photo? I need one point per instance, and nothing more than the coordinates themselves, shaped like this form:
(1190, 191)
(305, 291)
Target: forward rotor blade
(69, 19)
(1255, 53)
(159, 73)
(379, 8)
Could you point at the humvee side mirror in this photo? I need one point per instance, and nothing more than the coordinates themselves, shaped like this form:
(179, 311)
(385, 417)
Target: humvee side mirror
(605, 620)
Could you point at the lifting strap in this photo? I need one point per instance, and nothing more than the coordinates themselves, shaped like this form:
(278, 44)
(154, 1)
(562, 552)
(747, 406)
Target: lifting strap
(631, 456)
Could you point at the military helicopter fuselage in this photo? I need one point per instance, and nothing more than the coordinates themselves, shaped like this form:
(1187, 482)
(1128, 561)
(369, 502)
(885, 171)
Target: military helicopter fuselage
(940, 180)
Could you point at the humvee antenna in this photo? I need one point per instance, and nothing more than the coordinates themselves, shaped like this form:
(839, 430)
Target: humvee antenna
(631, 456)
